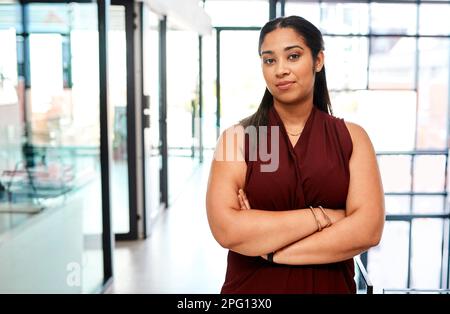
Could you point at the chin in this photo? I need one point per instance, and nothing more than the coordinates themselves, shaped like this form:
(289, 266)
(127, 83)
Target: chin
(288, 99)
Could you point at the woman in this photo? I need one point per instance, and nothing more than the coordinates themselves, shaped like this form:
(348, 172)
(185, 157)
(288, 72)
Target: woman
(295, 229)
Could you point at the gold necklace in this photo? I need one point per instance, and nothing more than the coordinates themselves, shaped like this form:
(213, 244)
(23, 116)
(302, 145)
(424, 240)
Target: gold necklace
(294, 134)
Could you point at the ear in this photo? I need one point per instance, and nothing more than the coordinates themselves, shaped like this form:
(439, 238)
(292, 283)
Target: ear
(319, 61)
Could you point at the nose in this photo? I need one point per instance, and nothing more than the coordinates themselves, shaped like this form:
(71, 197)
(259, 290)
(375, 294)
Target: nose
(282, 69)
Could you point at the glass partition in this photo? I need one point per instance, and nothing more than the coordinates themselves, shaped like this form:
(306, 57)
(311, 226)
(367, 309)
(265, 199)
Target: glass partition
(117, 78)
(50, 188)
(153, 156)
(182, 107)
(240, 91)
(391, 76)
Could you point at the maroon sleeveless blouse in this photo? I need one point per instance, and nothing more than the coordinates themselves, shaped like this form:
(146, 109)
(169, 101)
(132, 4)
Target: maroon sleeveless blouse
(313, 172)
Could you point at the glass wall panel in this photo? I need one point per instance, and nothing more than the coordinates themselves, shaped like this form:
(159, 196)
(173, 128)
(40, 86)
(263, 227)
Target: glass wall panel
(395, 173)
(182, 107)
(438, 14)
(153, 157)
(10, 16)
(426, 253)
(395, 204)
(209, 91)
(392, 63)
(404, 108)
(345, 18)
(429, 204)
(307, 10)
(388, 262)
(236, 12)
(117, 79)
(434, 71)
(346, 62)
(387, 116)
(44, 18)
(242, 91)
(50, 189)
(385, 18)
(429, 173)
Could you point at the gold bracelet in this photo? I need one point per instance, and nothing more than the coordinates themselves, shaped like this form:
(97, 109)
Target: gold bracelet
(317, 220)
(326, 217)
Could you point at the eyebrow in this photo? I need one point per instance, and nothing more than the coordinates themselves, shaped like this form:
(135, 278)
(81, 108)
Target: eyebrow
(285, 49)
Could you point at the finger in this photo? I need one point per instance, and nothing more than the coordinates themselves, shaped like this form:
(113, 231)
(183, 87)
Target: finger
(244, 198)
(246, 202)
(241, 202)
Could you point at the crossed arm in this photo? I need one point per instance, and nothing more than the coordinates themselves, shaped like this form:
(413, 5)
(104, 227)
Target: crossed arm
(292, 234)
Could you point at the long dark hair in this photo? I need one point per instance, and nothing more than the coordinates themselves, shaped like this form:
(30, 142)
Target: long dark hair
(314, 40)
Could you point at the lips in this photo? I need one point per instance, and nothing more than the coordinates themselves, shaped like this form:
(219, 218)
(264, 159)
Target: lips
(284, 85)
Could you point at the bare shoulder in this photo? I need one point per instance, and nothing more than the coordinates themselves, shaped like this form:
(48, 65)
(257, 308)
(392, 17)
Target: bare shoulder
(365, 189)
(359, 136)
(230, 145)
(228, 170)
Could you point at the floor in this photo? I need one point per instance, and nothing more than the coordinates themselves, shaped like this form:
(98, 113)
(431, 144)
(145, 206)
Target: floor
(180, 256)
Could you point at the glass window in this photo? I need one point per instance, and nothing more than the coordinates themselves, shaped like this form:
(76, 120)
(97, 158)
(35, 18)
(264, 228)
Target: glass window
(83, 134)
(117, 80)
(429, 173)
(8, 67)
(345, 18)
(307, 10)
(385, 18)
(428, 204)
(426, 248)
(433, 93)
(11, 122)
(392, 63)
(10, 16)
(346, 62)
(395, 173)
(50, 182)
(182, 107)
(242, 91)
(396, 204)
(48, 18)
(153, 157)
(438, 14)
(237, 13)
(387, 116)
(388, 262)
(46, 79)
(209, 91)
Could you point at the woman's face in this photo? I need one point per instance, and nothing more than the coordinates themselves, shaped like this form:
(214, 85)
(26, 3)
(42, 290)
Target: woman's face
(288, 66)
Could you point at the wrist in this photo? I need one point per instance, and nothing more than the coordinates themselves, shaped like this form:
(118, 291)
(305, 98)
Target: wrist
(320, 217)
(325, 217)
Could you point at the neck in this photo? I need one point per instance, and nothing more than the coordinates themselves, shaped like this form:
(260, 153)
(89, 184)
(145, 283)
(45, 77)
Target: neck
(294, 115)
